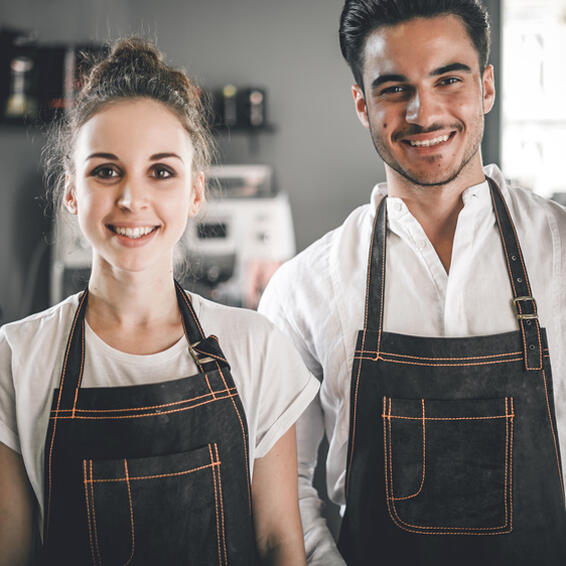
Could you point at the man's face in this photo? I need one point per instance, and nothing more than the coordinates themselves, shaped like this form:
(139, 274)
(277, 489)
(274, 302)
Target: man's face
(425, 100)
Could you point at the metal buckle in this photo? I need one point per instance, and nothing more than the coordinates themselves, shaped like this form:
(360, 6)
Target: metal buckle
(196, 357)
(522, 316)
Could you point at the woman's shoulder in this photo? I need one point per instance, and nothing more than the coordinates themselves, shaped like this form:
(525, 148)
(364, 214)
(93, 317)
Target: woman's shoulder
(219, 319)
(42, 325)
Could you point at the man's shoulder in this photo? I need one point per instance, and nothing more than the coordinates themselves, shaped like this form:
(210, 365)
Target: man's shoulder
(317, 255)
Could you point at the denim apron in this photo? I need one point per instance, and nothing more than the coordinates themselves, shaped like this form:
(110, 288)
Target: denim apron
(453, 454)
(149, 474)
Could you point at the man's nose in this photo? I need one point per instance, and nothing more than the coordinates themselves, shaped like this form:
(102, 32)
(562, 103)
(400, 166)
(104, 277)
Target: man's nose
(422, 109)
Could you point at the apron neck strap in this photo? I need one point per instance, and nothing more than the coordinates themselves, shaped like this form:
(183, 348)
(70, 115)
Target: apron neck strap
(73, 363)
(523, 303)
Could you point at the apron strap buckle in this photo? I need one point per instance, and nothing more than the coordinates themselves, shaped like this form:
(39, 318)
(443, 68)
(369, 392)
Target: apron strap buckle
(525, 311)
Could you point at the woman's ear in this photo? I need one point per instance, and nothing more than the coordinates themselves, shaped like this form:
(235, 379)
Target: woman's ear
(69, 198)
(197, 194)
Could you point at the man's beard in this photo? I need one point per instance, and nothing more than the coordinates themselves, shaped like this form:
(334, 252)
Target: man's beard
(388, 158)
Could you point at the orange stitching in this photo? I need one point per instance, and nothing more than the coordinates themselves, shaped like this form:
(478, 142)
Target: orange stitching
(173, 403)
(354, 421)
(447, 418)
(189, 304)
(381, 306)
(87, 502)
(209, 386)
(433, 358)
(553, 434)
(221, 504)
(425, 529)
(81, 369)
(438, 365)
(96, 542)
(215, 504)
(49, 473)
(156, 476)
(511, 467)
(86, 417)
(131, 511)
(244, 437)
(424, 458)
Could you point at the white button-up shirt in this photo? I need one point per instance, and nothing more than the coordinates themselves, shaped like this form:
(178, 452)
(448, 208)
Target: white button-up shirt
(317, 299)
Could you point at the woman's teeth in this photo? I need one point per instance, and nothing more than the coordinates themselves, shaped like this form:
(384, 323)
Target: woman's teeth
(134, 232)
(428, 143)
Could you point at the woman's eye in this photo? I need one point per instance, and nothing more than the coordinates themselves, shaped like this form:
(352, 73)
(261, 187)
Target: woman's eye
(105, 172)
(161, 172)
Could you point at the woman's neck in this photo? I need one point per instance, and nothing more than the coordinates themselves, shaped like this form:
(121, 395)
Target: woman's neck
(133, 312)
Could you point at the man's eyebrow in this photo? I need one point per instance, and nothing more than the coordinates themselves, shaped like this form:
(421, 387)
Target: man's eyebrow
(391, 78)
(450, 68)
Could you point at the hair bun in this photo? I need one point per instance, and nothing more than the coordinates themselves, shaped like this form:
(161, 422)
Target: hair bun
(134, 48)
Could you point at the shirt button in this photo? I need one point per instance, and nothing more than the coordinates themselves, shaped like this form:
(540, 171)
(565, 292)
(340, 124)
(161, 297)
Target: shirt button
(421, 244)
(398, 207)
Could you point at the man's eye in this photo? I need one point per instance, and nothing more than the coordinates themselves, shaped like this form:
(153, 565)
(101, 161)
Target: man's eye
(161, 172)
(396, 89)
(105, 172)
(449, 81)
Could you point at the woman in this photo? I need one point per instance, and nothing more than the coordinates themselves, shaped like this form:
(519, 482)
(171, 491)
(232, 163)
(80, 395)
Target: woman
(106, 445)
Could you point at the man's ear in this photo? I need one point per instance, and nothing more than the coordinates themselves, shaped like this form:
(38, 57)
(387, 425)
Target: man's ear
(69, 198)
(360, 104)
(488, 86)
(197, 194)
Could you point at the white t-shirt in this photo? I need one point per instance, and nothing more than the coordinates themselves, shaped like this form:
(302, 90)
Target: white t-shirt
(317, 299)
(272, 381)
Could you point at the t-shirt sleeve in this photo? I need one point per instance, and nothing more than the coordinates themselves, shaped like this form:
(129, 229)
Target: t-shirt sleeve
(286, 389)
(8, 426)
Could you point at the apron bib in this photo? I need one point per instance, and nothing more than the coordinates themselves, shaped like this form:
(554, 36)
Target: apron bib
(453, 454)
(149, 474)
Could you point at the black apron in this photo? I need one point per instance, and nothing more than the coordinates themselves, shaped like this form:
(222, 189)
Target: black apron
(149, 474)
(453, 454)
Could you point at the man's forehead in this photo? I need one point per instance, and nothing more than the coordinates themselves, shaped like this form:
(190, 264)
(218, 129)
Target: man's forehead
(434, 33)
(433, 41)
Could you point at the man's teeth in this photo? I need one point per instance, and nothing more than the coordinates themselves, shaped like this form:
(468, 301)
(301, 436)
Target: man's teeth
(428, 143)
(133, 232)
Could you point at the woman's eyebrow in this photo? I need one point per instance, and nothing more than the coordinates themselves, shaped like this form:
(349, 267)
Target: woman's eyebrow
(102, 156)
(157, 156)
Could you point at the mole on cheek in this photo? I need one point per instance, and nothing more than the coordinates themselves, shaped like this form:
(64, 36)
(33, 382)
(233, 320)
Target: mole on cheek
(385, 125)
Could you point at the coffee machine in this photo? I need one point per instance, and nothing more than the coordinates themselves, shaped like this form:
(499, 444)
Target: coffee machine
(244, 234)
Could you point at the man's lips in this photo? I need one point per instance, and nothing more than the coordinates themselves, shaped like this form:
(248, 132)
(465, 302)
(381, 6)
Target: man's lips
(428, 140)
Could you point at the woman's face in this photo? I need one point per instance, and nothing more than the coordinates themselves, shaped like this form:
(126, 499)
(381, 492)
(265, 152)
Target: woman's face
(132, 186)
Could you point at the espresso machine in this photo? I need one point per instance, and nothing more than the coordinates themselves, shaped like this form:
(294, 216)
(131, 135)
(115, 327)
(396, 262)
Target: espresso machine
(243, 235)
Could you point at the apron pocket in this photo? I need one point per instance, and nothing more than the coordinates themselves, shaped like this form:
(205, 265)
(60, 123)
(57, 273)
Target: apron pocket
(448, 465)
(156, 510)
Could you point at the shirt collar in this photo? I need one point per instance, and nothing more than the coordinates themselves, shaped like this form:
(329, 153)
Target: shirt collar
(479, 193)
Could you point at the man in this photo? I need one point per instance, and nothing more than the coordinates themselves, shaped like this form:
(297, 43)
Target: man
(437, 397)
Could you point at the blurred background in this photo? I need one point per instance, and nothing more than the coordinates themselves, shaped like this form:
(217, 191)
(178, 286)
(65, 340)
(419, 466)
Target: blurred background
(284, 118)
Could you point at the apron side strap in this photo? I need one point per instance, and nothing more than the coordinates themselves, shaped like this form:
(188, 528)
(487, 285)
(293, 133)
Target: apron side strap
(375, 288)
(523, 303)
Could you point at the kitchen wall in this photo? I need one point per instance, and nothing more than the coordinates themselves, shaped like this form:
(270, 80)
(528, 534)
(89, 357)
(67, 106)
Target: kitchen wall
(322, 156)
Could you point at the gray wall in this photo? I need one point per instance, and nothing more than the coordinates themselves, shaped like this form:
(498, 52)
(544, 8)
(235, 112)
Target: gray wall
(322, 156)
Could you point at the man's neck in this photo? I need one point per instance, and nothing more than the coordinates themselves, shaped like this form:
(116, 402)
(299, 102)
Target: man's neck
(436, 208)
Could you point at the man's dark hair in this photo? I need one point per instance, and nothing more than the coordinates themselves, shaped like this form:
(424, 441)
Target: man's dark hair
(360, 17)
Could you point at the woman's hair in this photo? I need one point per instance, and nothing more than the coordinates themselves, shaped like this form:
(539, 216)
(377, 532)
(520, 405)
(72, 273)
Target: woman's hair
(134, 68)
